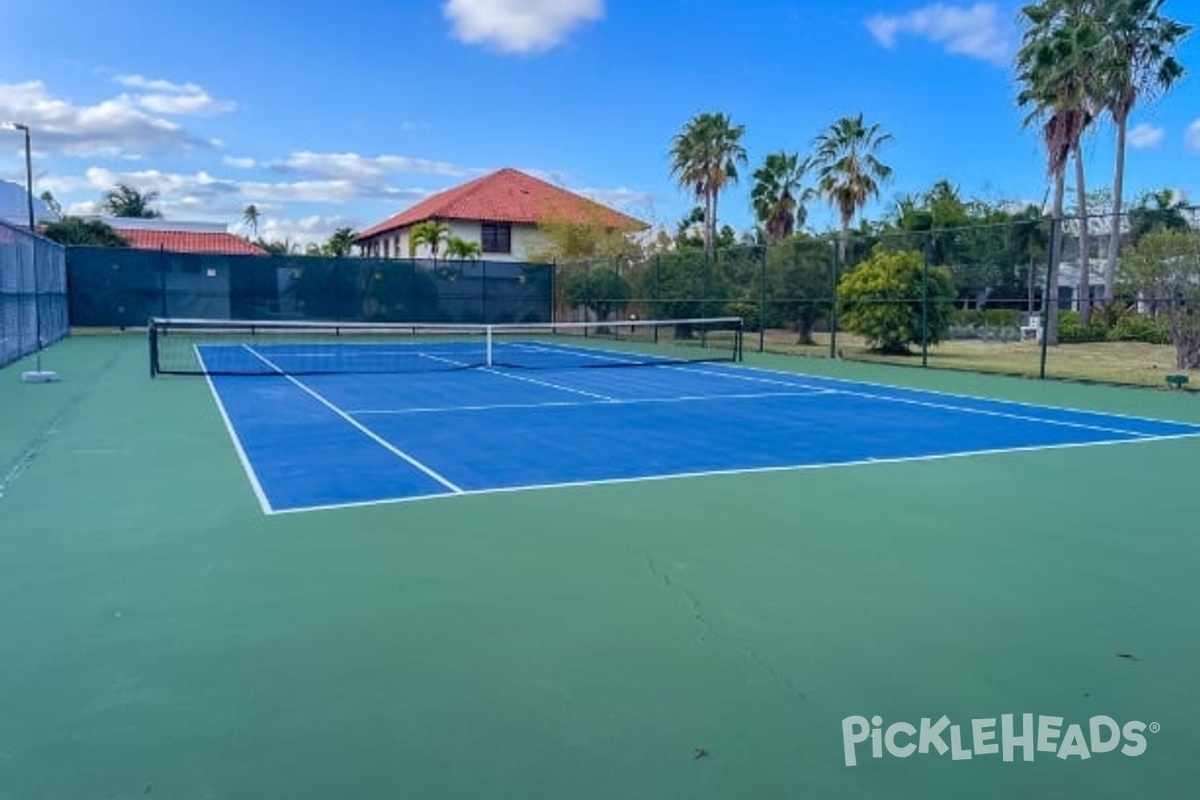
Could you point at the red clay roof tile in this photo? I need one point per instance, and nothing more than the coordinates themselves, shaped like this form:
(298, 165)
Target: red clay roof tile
(507, 195)
(189, 242)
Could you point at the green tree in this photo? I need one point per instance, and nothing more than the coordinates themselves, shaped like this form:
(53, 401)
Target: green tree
(778, 195)
(883, 297)
(685, 284)
(573, 239)
(460, 248)
(430, 233)
(799, 288)
(1137, 62)
(250, 217)
(340, 243)
(601, 289)
(705, 157)
(279, 247)
(849, 172)
(76, 231)
(1160, 210)
(1164, 270)
(125, 201)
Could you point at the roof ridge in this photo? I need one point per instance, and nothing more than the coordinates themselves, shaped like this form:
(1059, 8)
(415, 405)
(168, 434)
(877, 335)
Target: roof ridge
(505, 195)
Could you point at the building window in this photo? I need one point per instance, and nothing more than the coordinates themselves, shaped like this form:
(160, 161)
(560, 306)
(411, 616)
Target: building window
(496, 237)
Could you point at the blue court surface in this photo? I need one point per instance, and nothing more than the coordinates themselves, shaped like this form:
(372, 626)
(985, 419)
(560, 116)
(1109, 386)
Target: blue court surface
(332, 440)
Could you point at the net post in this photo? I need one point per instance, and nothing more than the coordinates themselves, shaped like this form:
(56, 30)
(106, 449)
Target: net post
(488, 334)
(152, 328)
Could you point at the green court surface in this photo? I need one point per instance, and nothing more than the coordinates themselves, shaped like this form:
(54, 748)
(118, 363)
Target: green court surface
(688, 638)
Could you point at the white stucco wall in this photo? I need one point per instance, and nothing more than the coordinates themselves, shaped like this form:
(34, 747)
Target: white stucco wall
(526, 240)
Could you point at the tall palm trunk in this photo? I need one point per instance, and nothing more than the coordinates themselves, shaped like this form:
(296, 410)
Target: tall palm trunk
(1114, 231)
(1056, 220)
(710, 224)
(1084, 260)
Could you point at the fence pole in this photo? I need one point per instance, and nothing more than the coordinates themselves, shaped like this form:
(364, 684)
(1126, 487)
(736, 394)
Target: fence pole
(833, 299)
(762, 299)
(1049, 296)
(925, 299)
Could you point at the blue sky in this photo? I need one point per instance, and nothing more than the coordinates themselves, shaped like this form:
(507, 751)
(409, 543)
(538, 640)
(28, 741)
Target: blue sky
(341, 114)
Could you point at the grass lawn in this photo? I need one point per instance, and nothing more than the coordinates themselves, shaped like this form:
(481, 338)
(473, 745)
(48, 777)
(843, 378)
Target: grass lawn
(1129, 363)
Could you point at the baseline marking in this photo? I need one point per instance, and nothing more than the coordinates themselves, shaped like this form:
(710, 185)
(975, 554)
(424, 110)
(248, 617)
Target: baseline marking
(729, 472)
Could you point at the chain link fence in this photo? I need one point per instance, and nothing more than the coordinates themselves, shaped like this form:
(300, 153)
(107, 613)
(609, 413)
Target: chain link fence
(986, 297)
(33, 293)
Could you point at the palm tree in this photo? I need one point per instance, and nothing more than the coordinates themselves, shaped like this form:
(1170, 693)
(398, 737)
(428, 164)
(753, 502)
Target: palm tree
(55, 207)
(1137, 62)
(250, 218)
(340, 243)
(705, 156)
(461, 248)
(848, 171)
(1053, 65)
(431, 233)
(125, 201)
(777, 198)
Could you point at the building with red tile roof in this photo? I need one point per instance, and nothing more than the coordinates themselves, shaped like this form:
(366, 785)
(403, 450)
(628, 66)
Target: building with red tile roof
(182, 237)
(500, 212)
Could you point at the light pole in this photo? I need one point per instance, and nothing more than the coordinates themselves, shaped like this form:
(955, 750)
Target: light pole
(37, 375)
(17, 126)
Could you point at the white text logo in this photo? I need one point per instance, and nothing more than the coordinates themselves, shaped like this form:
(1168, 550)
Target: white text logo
(1028, 734)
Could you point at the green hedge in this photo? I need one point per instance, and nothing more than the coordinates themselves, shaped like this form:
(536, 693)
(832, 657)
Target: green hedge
(1127, 328)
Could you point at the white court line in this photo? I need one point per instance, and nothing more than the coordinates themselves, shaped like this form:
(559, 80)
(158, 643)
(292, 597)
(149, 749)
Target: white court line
(979, 398)
(587, 352)
(727, 472)
(385, 444)
(491, 371)
(263, 502)
(950, 407)
(582, 403)
(550, 385)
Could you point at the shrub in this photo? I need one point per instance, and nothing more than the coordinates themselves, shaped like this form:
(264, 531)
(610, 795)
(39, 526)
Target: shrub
(1138, 328)
(1071, 332)
(882, 299)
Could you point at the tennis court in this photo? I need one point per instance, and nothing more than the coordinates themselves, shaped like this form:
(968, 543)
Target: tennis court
(339, 439)
(545, 580)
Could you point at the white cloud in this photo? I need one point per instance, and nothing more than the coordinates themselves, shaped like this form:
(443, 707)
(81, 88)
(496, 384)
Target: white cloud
(239, 163)
(519, 26)
(202, 196)
(179, 99)
(111, 127)
(352, 166)
(976, 31)
(1144, 136)
(1192, 136)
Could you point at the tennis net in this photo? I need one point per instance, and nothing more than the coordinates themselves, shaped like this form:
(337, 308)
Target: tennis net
(234, 347)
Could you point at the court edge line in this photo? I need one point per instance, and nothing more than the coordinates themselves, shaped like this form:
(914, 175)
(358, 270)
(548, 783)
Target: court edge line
(730, 472)
(247, 466)
(879, 385)
(386, 445)
(968, 410)
(942, 393)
